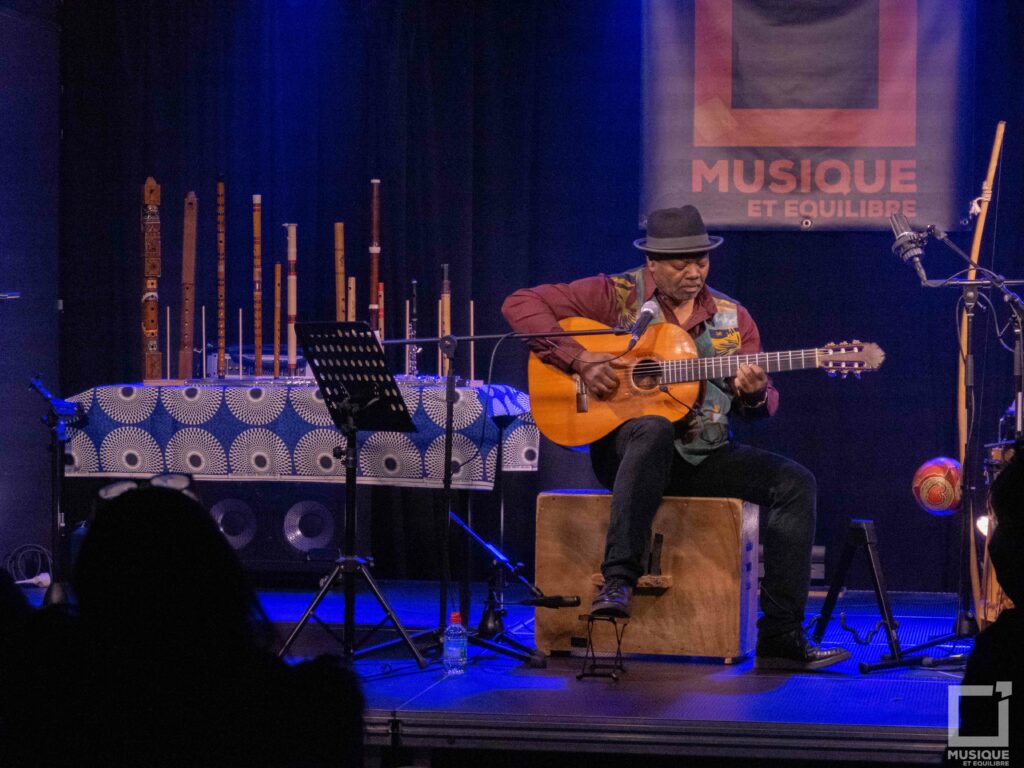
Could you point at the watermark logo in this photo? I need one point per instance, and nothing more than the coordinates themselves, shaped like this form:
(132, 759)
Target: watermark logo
(980, 751)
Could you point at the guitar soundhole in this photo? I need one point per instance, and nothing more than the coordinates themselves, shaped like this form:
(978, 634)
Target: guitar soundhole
(647, 374)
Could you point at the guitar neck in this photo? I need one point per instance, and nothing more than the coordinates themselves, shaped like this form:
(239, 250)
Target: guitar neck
(725, 367)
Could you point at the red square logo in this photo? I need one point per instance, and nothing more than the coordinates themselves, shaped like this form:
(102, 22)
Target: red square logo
(892, 123)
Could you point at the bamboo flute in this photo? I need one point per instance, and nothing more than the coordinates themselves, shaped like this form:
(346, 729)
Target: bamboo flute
(339, 271)
(350, 300)
(222, 312)
(188, 288)
(293, 279)
(380, 310)
(445, 328)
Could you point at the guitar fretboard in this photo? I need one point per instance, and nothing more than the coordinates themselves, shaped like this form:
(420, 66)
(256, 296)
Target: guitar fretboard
(724, 367)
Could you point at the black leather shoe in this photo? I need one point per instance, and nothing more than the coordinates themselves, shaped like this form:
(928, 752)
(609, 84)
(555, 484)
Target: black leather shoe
(792, 651)
(613, 599)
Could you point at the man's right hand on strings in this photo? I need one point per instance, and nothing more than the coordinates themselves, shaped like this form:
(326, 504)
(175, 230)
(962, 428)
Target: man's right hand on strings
(597, 373)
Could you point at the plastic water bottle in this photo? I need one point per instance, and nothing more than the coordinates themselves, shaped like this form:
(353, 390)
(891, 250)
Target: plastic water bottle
(455, 646)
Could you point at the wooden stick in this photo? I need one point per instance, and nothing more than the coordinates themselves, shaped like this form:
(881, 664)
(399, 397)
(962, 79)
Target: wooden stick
(374, 252)
(961, 395)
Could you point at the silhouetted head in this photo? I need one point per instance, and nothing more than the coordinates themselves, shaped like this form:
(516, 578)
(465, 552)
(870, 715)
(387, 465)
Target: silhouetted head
(154, 567)
(1006, 543)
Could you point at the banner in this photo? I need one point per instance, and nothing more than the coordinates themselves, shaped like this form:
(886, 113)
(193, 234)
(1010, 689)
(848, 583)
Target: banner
(823, 114)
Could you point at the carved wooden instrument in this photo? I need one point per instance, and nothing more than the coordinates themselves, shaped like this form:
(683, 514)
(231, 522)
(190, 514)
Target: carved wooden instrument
(151, 363)
(293, 292)
(661, 376)
(222, 312)
(257, 285)
(277, 320)
(188, 289)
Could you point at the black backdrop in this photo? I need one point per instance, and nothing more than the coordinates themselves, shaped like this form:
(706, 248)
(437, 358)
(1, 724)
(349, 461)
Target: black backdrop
(507, 137)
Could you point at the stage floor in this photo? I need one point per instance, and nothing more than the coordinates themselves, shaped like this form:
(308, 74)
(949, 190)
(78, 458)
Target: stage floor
(659, 707)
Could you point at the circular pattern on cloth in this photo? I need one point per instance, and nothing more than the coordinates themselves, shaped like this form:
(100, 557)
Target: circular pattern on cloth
(195, 451)
(466, 459)
(412, 394)
(390, 454)
(259, 452)
(82, 451)
(236, 521)
(85, 399)
(128, 404)
(191, 405)
(467, 407)
(308, 525)
(522, 448)
(131, 449)
(314, 453)
(256, 405)
(309, 403)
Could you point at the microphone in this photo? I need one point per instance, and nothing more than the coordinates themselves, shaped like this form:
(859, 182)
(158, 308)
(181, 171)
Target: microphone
(908, 244)
(553, 601)
(647, 313)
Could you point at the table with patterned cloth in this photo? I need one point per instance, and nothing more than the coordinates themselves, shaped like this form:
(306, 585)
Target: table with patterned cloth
(281, 430)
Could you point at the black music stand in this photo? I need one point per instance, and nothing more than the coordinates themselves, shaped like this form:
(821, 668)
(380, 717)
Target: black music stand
(361, 394)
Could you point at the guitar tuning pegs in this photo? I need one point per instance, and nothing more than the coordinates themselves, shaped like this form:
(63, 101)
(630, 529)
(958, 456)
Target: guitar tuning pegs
(857, 375)
(856, 341)
(831, 374)
(845, 374)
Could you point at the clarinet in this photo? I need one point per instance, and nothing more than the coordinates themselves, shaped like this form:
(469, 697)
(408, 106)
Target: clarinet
(151, 363)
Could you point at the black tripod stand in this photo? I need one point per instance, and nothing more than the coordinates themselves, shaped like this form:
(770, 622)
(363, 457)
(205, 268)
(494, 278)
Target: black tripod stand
(491, 632)
(61, 415)
(360, 393)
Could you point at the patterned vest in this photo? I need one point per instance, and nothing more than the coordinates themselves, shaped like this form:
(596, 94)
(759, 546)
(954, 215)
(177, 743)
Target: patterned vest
(707, 427)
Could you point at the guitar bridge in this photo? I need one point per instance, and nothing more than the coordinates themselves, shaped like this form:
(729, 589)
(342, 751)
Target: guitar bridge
(582, 399)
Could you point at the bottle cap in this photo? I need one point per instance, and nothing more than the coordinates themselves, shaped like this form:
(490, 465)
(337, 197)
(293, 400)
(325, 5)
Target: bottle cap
(456, 618)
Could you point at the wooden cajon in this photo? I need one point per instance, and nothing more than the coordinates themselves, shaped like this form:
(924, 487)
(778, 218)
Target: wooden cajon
(703, 604)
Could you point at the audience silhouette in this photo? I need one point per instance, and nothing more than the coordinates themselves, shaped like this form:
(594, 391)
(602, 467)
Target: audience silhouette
(998, 654)
(168, 660)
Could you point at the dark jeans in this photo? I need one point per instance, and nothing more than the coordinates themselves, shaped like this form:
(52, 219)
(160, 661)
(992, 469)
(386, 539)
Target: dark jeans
(639, 463)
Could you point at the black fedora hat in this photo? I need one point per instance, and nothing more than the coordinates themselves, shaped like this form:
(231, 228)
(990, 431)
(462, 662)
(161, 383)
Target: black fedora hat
(676, 230)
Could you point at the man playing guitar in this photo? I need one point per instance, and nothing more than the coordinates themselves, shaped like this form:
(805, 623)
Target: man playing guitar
(650, 456)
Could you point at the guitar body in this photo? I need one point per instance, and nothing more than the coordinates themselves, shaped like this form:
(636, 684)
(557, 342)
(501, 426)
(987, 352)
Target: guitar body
(553, 392)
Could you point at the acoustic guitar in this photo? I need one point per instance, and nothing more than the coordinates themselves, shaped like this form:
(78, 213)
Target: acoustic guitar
(661, 376)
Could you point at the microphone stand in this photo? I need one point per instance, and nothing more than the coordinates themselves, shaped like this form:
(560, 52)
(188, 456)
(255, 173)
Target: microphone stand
(492, 619)
(966, 624)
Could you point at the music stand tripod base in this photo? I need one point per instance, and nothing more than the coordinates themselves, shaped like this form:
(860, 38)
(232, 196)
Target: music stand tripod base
(360, 394)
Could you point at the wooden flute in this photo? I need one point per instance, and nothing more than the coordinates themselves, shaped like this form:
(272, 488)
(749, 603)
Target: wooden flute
(151, 363)
(339, 271)
(293, 281)
(374, 253)
(257, 285)
(188, 288)
(222, 313)
(277, 319)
